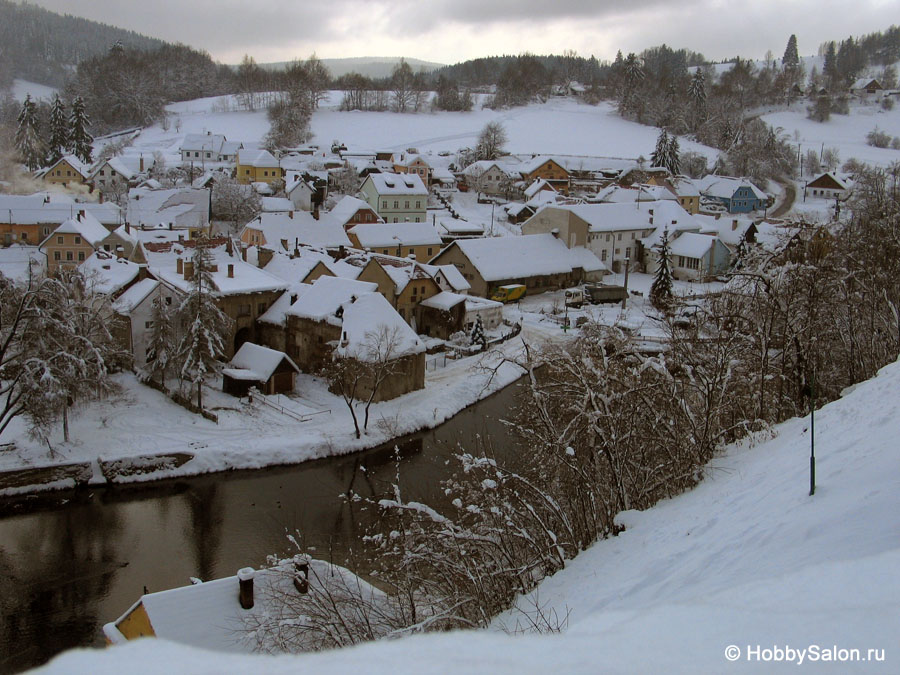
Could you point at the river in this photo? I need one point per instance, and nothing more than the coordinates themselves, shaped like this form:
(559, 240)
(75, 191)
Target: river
(73, 561)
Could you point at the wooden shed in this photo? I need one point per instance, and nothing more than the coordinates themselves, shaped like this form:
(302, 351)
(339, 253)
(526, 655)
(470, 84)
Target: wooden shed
(270, 371)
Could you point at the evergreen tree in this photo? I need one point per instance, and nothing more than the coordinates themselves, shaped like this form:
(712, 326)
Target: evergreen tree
(697, 88)
(673, 156)
(658, 158)
(59, 131)
(829, 69)
(28, 140)
(791, 59)
(477, 337)
(661, 290)
(79, 139)
(206, 325)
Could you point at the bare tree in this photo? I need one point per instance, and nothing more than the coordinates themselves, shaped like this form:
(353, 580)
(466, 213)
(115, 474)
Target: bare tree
(491, 141)
(238, 204)
(403, 85)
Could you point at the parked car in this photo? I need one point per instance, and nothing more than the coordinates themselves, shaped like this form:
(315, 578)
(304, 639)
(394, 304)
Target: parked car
(574, 297)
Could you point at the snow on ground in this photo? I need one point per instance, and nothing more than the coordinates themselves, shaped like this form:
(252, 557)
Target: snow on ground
(560, 126)
(21, 88)
(847, 133)
(127, 424)
(746, 565)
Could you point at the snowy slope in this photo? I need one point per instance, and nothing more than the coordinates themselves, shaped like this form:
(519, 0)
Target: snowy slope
(745, 559)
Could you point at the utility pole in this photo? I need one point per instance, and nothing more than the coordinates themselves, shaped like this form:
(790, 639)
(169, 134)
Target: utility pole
(812, 435)
(625, 299)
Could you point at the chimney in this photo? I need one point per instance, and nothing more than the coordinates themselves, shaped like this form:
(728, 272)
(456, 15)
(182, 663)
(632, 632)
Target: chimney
(127, 228)
(293, 298)
(229, 247)
(245, 580)
(100, 194)
(244, 254)
(188, 269)
(315, 213)
(179, 266)
(291, 215)
(141, 165)
(734, 224)
(80, 214)
(230, 270)
(170, 226)
(181, 238)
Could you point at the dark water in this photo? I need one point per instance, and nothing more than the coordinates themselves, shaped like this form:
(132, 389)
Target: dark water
(70, 563)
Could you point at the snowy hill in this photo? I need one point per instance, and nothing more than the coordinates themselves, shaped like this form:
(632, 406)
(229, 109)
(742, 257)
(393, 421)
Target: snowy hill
(747, 559)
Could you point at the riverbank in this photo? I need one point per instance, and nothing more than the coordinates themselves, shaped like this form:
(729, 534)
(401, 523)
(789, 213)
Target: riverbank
(139, 435)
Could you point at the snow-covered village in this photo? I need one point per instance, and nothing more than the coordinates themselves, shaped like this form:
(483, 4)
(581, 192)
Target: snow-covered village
(581, 360)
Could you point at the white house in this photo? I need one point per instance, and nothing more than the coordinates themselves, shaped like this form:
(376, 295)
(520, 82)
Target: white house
(397, 198)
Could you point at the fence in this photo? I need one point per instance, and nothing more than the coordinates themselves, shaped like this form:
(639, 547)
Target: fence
(255, 397)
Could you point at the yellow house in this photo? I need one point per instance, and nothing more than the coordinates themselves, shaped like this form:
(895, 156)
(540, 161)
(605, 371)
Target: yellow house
(257, 166)
(68, 169)
(73, 242)
(549, 169)
(421, 240)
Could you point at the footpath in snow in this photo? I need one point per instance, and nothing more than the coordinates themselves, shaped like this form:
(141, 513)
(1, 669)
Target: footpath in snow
(745, 573)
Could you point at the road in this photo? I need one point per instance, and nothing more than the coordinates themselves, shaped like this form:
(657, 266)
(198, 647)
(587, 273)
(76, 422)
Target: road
(790, 194)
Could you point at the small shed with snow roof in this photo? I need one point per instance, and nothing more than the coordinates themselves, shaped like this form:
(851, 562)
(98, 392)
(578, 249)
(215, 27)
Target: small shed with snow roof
(269, 370)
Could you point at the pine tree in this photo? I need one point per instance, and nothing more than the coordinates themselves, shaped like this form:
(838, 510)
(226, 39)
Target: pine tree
(658, 157)
(28, 140)
(79, 139)
(477, 337)
(661, 290)
(791, 59)
(829, 69)
(673, 156)
(206, 325)
(59, 131)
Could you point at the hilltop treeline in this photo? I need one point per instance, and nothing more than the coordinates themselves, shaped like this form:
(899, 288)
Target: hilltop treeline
(42, 46)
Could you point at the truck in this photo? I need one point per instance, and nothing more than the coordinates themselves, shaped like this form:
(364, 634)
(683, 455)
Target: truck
(574, 297)
(597, 293)
(508, 293)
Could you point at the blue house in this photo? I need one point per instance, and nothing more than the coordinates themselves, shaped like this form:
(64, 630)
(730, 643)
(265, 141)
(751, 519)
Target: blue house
(737, 195)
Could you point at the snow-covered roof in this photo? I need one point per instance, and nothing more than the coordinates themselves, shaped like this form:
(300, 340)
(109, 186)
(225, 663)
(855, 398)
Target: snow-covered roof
(276, 313)
(203, 142)
(322, 300)
(695, 225)
(183, 207)
(530, 165)
(458, 226)
(585, 259)
(623, 217)
(53, 208)
(256, 158)
(74, 162)
(474, 303)
(408, 159)
(246, 278)
(692, 245)
(481, 167)
(397, 184)
(724, 187)
(864, 82)
(730, 229)
(383, 235)
(536, 186)
(346, 208)
(617, 194)
(293, 226)
(277, 204)
(445, 301)
(295, 268)
(85, 225)
(259, 361)
(498, 258)
(135, 295)
(369, 324)
(109, 273)
(451, 276)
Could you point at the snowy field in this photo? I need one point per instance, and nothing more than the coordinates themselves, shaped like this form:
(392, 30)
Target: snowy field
(560, 126)
(21, 88)
(846, 133)
(743, 566)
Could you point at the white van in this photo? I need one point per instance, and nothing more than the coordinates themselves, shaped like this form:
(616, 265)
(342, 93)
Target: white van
(574, 297)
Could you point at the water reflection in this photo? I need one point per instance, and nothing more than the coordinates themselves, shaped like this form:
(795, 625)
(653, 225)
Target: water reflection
(67, 568)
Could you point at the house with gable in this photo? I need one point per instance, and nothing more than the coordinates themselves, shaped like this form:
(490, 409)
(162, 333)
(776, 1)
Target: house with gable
(867, 87)
(551, 170)
(412, 163)
(122, 169)
(242, 291)
(65, 170)
(73, 242)
(345, 318)
(208, 148)
(301, 192)
(257, 166)
(350, 211)
(737, 195)
(135, 308)
(184, 209)
(698, 256)
(541, 262)
(828, 185)
(489, 177)
(288, 230)
(396, 198)
(420, 240)
(28, 219)
(270, 371)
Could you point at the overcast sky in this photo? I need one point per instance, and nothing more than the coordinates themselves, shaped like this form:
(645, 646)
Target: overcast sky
(448, 31)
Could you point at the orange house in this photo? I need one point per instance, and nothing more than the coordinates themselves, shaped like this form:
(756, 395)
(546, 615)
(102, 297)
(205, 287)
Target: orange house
(550, 170)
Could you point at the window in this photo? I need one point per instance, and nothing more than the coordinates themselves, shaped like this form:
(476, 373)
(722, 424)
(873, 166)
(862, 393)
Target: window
(417, 219)
(261, 308)
(607, 238)
(628, 252)
(69, 255)
(148, 324)
(603, 255)
(102, 172)
(244, 310)
(384, 203)
(59, 239)
(24, 236)
(406, 204)
(418, 204)
(429, 248)
(207, 155)
(632, 236)
(80, 256)
(168, 299)
(105, 247)
(395, 219)
(620, 236)
(77, 239)
(196, 154)
(618, 251)
(396, 204)
(56, 255)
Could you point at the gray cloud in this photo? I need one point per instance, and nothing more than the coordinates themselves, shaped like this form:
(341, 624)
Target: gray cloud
(453, 30)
